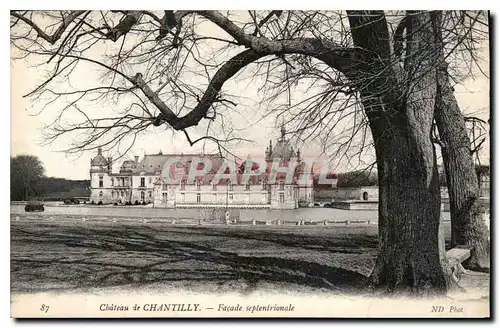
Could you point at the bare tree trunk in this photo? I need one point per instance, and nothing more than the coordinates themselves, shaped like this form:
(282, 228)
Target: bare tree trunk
(411, 255)
(467, 225)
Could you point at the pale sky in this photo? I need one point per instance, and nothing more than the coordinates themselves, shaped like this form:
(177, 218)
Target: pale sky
(473, 97)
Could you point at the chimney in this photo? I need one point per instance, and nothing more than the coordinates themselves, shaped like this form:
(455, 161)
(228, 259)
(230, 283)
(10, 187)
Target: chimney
(136, 159)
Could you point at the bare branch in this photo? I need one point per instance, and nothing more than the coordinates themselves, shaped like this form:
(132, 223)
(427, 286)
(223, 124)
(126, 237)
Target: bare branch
(66, 21)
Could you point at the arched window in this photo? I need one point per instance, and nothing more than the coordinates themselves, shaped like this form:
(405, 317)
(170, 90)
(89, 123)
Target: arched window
(365, 195)
(100, 194)
(142, 195)
(112, 182)
(121, 193)
(112, 193)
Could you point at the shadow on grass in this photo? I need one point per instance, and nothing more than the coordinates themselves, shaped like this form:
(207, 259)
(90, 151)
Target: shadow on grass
(317, 240)
(45, 257)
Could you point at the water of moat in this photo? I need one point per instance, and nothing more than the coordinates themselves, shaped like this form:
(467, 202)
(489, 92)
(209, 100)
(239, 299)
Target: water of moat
(313, 214)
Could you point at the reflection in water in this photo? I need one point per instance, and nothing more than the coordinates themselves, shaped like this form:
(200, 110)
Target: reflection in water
(314, 214)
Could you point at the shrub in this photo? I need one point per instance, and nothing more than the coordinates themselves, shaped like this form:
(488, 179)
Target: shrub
(92, 202)
(115, 204)
(67, 201)
(136, 202)
(76, 201)
(143, 203)
(100, 202)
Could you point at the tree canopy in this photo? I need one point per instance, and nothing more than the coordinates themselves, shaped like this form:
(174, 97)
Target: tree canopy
(26, 174)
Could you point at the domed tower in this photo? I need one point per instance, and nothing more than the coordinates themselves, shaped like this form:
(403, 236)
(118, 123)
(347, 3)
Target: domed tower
(99, 163)
(100, 169)
(283, 149)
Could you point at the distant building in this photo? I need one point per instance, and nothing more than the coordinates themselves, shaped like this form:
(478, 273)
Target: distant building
(142, 181)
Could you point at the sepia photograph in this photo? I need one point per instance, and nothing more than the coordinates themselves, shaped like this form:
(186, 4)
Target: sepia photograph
(250, 164)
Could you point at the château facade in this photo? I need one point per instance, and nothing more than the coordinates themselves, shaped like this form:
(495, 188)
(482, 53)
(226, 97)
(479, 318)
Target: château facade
(143, 181)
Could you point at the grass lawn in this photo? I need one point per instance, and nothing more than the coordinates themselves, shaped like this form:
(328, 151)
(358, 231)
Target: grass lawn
(75, 256)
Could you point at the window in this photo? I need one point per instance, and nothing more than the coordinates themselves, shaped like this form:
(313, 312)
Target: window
(183, 197)
(149, 180)
(282, 198)
(183, 185)
(263, 184)
(247, 186)
(164, 186)
(198, 198)
(165, 197)
(112, 181)
(282, 185)
(101, 182)
(198, 185)
(231, 196)
(143, 182)
(112, 194)
(100, 194)
(214, 186)
(142, 195)
(150, 194)
(214, 197)
(231, 186)
(121, 193)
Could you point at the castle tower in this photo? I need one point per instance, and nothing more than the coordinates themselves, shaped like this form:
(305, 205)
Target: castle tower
(100, 168)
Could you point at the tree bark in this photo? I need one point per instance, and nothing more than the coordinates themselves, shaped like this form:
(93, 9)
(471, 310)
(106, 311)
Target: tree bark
(467, 225)
(411, 256)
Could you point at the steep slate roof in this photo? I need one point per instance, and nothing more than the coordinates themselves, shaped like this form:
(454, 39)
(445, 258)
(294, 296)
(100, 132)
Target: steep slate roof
(181, 172)
(153, 164)
(128, 166)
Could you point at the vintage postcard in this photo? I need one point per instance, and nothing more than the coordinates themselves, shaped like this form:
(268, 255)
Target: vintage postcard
(250, 164)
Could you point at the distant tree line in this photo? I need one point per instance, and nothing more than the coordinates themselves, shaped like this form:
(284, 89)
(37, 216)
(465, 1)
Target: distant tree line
(28, 182)
(357, 179)
(365, 178)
